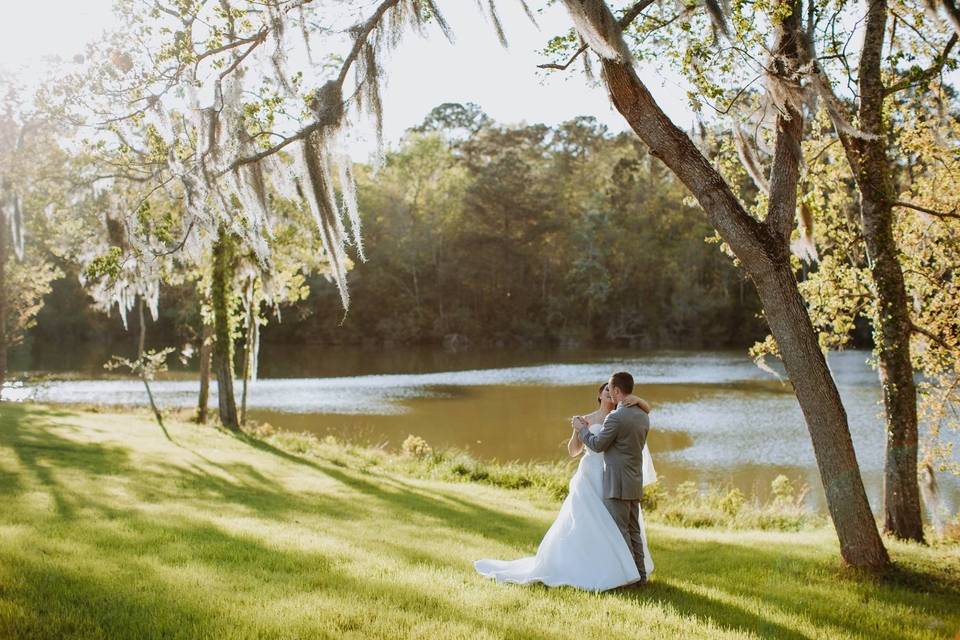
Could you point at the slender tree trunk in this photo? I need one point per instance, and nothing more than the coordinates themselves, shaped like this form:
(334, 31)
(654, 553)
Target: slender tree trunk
(892, 328)
(141, 344)
(206, 348)
(248, 350)
(223, 267)
(763, 250)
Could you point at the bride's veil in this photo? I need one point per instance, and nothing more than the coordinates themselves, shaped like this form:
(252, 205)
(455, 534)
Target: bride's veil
(649, 473)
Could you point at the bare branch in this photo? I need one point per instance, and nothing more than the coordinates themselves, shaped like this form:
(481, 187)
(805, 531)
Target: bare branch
(361, 37)
(939, 214)
(332, 90)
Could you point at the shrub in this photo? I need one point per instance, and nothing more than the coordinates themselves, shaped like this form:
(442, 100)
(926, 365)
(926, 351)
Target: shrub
(415, 447)
(730, 503)
(782, 490)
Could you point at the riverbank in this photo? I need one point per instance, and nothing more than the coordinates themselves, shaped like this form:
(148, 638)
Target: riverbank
(111, 530)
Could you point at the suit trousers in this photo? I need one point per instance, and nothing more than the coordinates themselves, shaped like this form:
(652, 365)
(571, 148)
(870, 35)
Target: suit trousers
(626, 513)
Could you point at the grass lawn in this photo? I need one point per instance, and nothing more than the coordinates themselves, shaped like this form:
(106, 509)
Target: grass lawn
(109, 530)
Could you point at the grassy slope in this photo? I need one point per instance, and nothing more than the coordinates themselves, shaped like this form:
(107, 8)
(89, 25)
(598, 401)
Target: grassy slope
(109, 530)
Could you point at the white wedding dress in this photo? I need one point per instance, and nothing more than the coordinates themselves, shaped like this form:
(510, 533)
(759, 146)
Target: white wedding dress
(583, 547)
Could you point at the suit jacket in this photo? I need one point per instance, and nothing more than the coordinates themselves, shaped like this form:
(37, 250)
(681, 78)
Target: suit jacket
(621, 441)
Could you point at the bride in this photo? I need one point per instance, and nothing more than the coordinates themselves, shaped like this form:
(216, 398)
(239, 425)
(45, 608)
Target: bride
(583, 547)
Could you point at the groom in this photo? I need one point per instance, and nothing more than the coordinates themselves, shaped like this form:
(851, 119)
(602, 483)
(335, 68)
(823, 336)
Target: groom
(621, 441)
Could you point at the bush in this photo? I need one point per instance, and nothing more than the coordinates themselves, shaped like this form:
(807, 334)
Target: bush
(782, 490)
(415, 447)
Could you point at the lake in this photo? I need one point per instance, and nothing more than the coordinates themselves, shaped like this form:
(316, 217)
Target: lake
(717, 418)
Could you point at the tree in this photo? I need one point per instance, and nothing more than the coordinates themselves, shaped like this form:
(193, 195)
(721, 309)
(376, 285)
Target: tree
(761, 246)
(867, 81)
(183, 110)
(27, 151)
(872, 169)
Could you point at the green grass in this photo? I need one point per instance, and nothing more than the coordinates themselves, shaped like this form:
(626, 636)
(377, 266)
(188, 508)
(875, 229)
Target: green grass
(109, 530)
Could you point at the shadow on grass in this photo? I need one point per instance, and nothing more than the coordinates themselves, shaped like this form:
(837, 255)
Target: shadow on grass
(152, 577)
(100, 570)
(404, 500)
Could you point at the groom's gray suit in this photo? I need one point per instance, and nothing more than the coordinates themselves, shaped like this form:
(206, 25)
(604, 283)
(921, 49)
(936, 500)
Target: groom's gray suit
(621, 441)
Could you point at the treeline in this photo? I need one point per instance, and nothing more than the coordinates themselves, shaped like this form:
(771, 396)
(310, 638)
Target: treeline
(515, 235)
(482, 234)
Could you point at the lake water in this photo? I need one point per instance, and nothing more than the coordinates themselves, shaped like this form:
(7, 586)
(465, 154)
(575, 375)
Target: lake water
(716, 417)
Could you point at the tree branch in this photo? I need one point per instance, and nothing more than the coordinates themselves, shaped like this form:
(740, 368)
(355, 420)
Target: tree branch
(361, 37)
(931, 335)
(624, 22)
(939, 214)
(926, 74)
(259, 36)
(362, 33)
(787, 154)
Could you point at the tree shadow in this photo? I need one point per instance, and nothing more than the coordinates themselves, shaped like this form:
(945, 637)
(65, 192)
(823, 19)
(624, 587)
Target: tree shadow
(793, 582)
(400, 499)
(722, 614)
(41, 452)
(146, 578)
(108, 571)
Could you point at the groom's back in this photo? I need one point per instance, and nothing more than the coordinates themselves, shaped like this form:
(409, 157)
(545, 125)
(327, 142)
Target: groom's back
(623, 461)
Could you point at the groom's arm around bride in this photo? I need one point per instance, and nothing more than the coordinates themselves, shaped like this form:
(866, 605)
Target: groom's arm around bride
(621, 440)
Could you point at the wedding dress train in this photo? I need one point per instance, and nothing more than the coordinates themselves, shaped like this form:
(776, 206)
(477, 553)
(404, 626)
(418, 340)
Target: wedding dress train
(583, 547)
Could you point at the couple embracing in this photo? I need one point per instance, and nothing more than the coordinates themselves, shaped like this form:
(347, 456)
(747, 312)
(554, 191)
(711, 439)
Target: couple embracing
(597, 541)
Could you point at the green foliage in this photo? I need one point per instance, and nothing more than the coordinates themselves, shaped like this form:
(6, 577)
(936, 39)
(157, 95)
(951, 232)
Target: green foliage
(531, 234)
(28, 283)
(689, 506)
(107, 265)
(685, 506)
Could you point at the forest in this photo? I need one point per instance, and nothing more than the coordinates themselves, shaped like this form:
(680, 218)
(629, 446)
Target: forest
(485, 234)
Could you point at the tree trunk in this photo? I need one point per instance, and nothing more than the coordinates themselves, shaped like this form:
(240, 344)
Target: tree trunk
(141, 344)
(223, 267)
(892, 326)
(816, 391)
(764, 253)
(206, 347)
(248, 350)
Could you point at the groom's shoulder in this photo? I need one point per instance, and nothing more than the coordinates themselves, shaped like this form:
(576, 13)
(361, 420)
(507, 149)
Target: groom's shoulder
(633, 413)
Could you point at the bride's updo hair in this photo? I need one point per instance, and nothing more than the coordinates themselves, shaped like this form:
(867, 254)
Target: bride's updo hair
(600, 393)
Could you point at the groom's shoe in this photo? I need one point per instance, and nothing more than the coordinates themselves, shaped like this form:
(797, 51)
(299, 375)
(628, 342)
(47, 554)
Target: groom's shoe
(639, 584)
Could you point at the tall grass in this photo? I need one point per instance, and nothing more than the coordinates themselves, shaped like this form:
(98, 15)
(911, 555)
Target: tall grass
(686, 506)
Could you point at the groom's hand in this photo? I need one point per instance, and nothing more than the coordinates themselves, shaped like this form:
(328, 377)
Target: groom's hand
(579, 423)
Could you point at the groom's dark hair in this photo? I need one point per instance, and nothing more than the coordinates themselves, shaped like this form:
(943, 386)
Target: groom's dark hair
(623, 381)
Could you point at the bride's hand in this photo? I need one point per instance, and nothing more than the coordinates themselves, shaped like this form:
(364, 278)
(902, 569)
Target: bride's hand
(635, 401)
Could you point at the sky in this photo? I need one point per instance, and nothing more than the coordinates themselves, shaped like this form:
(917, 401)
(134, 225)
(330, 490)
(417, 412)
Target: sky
(422, 72)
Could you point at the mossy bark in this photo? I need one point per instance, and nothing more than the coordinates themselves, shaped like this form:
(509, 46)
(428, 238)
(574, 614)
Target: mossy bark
(206, 349)
(3, 304)
(224, 265)
(892, 326)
